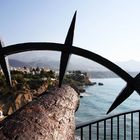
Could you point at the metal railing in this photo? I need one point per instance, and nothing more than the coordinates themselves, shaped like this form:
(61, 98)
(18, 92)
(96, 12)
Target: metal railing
(123, 126)
(66, 49)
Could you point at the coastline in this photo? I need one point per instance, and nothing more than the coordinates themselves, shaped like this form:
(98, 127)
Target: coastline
(98, 99)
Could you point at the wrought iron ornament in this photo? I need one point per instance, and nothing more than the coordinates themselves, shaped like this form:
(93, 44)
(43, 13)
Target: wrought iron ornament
(66, 50)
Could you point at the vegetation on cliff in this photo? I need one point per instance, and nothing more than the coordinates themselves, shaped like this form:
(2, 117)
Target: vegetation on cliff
(28, 84)
(78, 80)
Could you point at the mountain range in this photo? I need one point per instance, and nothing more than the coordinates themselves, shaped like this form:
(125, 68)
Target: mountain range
(74, 64)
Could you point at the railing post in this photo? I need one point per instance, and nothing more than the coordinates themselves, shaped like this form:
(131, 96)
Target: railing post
(111, 128)
(139, 125)
(104, 129)
(97, 131)
(115, 123)
(124, 126)
(132, 126)
(118, 135)
(90, 132)
(81, 133)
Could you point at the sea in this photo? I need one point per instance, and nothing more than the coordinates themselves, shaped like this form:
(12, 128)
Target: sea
(97, 99)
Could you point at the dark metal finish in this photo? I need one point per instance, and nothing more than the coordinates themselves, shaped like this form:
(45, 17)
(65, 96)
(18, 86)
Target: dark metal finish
(84, 53)
(5, 65)
(66, 55)
(139, 125)
(126, 92)
(114, 124)
(90, 132)
(97, 131)
(131, 126)
(111, 128)
(66, 49)
(124, 126)
(118, 128)
(104, 129)
(82, 133)
(74, 50)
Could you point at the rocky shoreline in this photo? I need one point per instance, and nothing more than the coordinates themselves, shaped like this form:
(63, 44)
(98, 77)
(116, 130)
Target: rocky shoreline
(28, 87)
(78, 80)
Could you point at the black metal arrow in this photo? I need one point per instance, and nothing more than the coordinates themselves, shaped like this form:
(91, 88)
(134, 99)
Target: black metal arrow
(66, 55)
(126, 92)
(5, 65)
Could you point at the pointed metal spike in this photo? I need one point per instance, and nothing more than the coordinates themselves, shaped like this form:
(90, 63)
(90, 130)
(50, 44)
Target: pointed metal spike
(124, 94)
(70, 34)
(5, 66)
(137, 83)
(66, 55)
(63, 66)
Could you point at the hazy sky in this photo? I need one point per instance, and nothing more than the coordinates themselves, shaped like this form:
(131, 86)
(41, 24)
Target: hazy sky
(110, 28)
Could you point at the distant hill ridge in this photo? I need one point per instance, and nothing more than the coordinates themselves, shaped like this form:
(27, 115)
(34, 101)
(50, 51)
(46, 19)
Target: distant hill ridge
(95, 70)
(17, 63)
(78, 64)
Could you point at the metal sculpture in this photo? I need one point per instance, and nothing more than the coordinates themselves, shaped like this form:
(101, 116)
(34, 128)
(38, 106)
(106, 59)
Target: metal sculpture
(66, 49)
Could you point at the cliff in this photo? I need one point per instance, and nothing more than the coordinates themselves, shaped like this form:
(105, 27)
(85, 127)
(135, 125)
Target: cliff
(49, 117)
(14, 99)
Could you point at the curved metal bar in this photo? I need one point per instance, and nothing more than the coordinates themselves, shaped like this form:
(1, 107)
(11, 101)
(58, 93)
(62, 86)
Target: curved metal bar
(103, 61)
(66, 50)
(80, 52)
(32, 46)
(74, 50)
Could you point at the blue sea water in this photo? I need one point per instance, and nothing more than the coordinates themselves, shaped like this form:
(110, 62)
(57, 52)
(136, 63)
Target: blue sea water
(97, 100)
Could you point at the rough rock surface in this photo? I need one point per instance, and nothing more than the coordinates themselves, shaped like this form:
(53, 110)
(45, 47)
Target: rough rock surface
(12, 102)
(50, 117)
(43, 88)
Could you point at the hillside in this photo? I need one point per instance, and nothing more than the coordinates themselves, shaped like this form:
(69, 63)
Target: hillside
(52, 61)
(92, 68)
